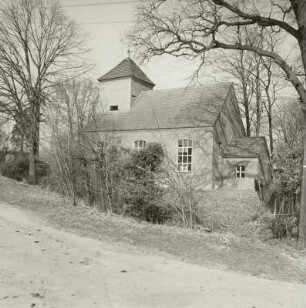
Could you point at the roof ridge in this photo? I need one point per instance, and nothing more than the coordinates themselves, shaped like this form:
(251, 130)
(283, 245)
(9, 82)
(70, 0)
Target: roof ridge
(251, 137)
(190, 87)
(130, 62)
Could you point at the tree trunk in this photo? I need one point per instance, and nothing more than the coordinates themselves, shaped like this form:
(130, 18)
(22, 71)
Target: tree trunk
(258, 103)
(247, 121)
(270, 122)
(245, 95)
(34, 149)
(302, 222)
(271, 134)
(36, 141)
(32, 165)
(22, 143)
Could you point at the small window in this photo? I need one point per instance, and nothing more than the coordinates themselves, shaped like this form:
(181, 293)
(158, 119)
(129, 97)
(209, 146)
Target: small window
(184, 155)
(240, 172)
(100, 147)
(113, 108)
(140, 144)
(100, 144)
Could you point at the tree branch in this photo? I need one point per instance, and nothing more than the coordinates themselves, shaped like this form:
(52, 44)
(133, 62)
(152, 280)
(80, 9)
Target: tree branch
(260, 20)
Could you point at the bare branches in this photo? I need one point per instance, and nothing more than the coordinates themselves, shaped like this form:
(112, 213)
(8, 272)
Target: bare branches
(38, 44)
(192, 28)
(74, 104)
(259, 19)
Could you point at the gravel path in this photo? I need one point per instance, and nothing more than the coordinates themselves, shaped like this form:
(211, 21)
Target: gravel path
(44, 267)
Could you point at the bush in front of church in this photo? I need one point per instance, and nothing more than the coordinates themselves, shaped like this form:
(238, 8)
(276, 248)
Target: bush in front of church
(144, 197)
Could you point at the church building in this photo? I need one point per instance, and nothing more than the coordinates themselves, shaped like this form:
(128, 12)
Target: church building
(200, 128)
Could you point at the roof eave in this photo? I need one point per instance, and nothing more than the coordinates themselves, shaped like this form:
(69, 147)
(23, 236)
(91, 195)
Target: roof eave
(145, 81)
(101, 130)
(240, 156)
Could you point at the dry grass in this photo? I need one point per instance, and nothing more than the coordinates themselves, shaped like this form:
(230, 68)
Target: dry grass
(222, 250)
(234, 211)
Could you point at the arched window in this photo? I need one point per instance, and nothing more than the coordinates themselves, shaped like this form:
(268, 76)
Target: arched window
(140, 144)
(184, 157)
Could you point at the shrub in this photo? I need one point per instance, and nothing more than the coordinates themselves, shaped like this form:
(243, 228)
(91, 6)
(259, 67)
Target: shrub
(108, 178)
(149, 158)
(18, 169)
(138, 184)
(2, 156)
(153, 213)
(284, 226)
(69, 173)
(144, 197)
(286, 188)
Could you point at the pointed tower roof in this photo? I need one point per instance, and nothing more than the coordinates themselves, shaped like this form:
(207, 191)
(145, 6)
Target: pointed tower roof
(126, 68)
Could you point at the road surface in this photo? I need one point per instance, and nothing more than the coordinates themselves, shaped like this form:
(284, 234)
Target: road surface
(44, 267)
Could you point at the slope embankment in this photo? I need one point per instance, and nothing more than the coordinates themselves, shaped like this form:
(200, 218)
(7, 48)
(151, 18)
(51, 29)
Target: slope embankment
(221, 250)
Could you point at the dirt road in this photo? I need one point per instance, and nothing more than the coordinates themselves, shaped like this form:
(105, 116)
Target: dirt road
(44, 267)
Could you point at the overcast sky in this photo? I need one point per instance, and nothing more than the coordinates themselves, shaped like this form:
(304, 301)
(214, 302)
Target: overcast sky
(105, 22)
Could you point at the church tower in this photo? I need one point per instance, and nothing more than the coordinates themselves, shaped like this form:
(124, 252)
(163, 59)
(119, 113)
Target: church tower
(122, 84)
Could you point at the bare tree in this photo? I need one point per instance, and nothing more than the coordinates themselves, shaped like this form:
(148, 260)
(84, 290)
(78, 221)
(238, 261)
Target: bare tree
(240, 65)
(73, 105)
(287, 160)
(271, 88)
(257, 90)
(289, 125)
(257, 86)
(247, 70)
(4, 136)
(258, 101)
(192, 28)
(38, 44)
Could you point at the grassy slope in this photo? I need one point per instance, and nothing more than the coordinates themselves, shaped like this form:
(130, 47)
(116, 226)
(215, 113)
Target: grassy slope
(234, 211)
(225, 250)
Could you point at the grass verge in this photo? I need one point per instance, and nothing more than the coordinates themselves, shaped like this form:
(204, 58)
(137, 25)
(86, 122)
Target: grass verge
(272, 260)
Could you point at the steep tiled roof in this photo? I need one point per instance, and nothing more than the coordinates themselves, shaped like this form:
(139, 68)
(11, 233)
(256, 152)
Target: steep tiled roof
(126, 68)
(244, 147)
(171, 108)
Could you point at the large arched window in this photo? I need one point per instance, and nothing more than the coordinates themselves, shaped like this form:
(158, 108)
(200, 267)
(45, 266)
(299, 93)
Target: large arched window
(140, 144)
(184, 157)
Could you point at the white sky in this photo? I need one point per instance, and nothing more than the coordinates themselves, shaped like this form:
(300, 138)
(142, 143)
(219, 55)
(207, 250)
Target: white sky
(106, 24)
